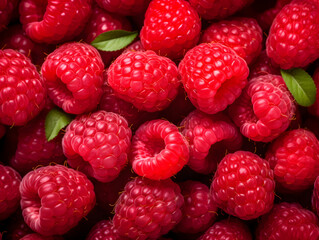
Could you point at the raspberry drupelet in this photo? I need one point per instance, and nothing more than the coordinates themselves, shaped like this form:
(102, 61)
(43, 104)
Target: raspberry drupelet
(103, 229)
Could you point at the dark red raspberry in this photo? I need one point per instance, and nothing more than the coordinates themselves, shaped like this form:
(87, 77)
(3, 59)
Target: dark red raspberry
(209, 137)
(22, 89)
(265, 108)
(100, 22)
(263, 66)
(171, 28)
(227, 229)
(199, 210)
(9, 191)
(293, 36)
(135, 47)
(74, 77)
(243, 35)
(17, 228)
(315, 196)
(33, 148)
(36, 236)
(218, 9)
(288, 221)
(213, 76)
(294, 157)
(6, 11)
(314, 109)
(124, 7)
(103, 230)
(54, 21)
(158, 150)
(97, 144)
(55, 198)
(243, 185)
(148, 208)
(148, 81)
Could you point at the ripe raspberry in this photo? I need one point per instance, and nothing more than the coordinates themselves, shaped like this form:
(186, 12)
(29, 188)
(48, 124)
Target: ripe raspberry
(294, 157)
(74, 76)
(243, 185)
(288, 221)
(148, 208)
(148, 81)
(9, 191)
(36, 236)
(103, 230)
(209, 137)
(55, 198)
(314, 109)
(33, 148)
(315, 196)
(243, 35)
(6, 10)
(218, 9)
(54, 21)
(199, 210)
(213, 76)
(124, 7)
(100, 22)
(97, 144)
(230, 228)
(265, 108)
(263, 66)
(171, 28)
(135, 47)
(22, 89)
(158, 150)
(293, 36)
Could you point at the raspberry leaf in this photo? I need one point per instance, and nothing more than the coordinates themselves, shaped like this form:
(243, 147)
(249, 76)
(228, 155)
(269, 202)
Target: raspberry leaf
(54, 122)
(301, 86)
(113, 40)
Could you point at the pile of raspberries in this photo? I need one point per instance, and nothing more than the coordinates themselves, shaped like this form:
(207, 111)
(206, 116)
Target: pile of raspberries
(189, 132)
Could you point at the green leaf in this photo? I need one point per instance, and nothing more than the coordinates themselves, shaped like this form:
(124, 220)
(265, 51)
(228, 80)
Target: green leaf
(54, 122)
(301, 86)
(113, 40)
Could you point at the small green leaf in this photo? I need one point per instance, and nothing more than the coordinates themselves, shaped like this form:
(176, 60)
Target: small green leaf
(301, 86)
(54, 122)
(113, 40)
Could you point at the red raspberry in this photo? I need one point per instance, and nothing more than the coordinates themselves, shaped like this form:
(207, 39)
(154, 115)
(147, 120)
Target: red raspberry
(147, 208)
(103, 230)
(243, 185)
(33, 148)
(263, 66)
(171, 28)
(230, 228)
(209, 137)
(293, 36)
(314, 109)
(199, 210)
(213, 76)
(9, 191)
(158, 150)
(6, 11)
(36, 236)
(74, 76)
(124, 7)
(265, 108)
(54, 21)
(22, 89)
(55, 198)
(218, 9)
(243, 35)
(135, 47)
(148, 81)
(97, 144)
(294, 157)
(288, 221)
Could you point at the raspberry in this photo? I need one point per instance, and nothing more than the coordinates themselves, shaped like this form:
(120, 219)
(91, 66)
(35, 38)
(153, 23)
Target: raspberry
(213, 76)
(9, 191)
(74, 76)
(243, 35)
(315, 197)
(148, 208)
(158, 150)
(288, 221)
(171, 28)
(22, 89)
(98, 144)
(6, 11)
(243, 185)
(294, 157)
(148, 81)
(124, 7)
(103, 230)
(135, 47)
(263, 66)
(55, 198)
(54, 21)
(230, 228)
(17, 228)
(36, 236)
(265, 108)
(218, 9)
(33, 149)
(199, 210)
(314, 109)
(293, 36)
(209, 136)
